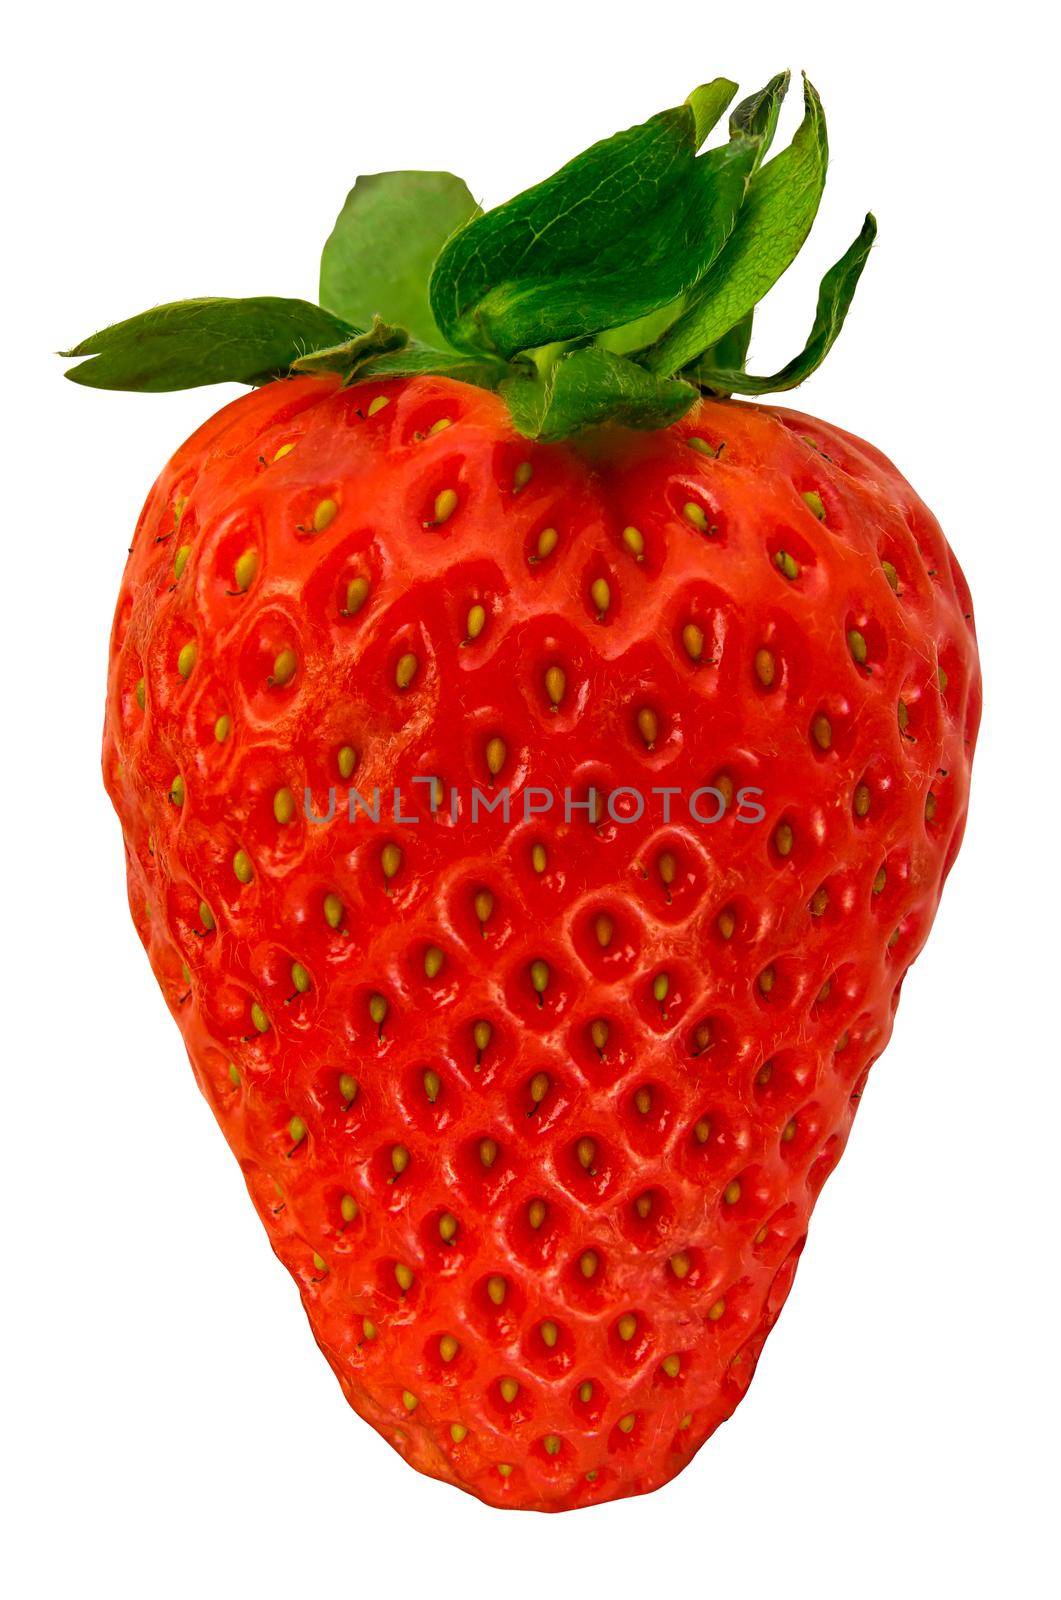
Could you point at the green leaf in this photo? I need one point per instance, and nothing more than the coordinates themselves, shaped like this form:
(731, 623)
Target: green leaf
(192, 342)
(834, 299)
(352, 354)
(378, 258)
(781, 205)
(502, 282)
(707, 103)
(416, 360)
(588, 387)
(756, 117)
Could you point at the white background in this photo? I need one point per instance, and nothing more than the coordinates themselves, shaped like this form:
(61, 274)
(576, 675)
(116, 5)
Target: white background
(171, 1427)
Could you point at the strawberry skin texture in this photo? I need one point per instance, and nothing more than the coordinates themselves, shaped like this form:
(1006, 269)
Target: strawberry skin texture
(541, 1256)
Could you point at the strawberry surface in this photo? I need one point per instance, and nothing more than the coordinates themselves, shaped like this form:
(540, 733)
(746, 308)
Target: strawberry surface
(535, 1110)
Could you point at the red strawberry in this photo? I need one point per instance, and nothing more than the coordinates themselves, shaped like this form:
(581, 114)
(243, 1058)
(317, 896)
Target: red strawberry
(534, 1107)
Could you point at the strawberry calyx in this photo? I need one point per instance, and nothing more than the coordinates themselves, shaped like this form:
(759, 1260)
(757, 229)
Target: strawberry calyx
(616, 291)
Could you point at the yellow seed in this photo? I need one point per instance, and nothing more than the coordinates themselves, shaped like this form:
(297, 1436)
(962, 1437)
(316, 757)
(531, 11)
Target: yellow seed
(176, 790)
(390, 860)
(539, 976)
(787, 565)
(540, 1085)
(626, 1424)
(481, 1035)
(880, 880)
(476, 622)
(403, 1276)
(550, 1334)
(585, 1394)
(826, 989)
(930, 806)
(686, 1421)
(660, 987)
(822, 732)
(764, 667)
(496, 1289)
(488, 1152)
(447, 1227)
(400, 1159)
(495, 755)
(694, 516)
(458, 1432)
(704, 1037)
(369, 1330)
(409, 1401)
(347, 760)
(299, 978)
(667, 867)
(377, 1009)
(648, 725)
(333, 910)
(284, 667)
(586, 1152)
(440, 426)
(324, 514)
(319, 1262)
(483, 905)
(356, 595)
(432, 1085)
(377, 404)
(539, 859)
(349, 1088)
(522, 476)
(246, 570)
(857, 645)
(643, 1101)
(680, 1264)
(783, 839)
(727, 923)
(904, 716)
(671, 1365)
(241, 866)
(634, 541)
(297, 1130)
(186, 659)
(548, 540)
(604, 928)
(284, 450)
(283, 806)
(258, 1017)
(406, 670)
(862, 798)
(766, 980)
(509, 1389)
(588, 1263)
(448, 1347)
(716, 1310)
(598, 1032)
(788, 1132)
(601, 595)
(536, 1213)
(819, 902)
(445, 506)
(693, 641)
(348, 1208)
(141, 693)
(731, 1193)
(702, 1131)
(701, 446)
(627, 1327)
(180, 560)
(222, 728)
(233, 1075)
(433, 961)
(505, 1468)
(814, 504)
(551, 1444)
(206, 917)
(555, 685)
(891, 575)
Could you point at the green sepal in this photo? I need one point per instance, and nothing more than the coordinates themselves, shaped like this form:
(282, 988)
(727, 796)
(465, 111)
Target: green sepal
(419, 360)
(350, 356)
(600, 242)
(756, 117)
(192, 342)
(589, 387)
(730, 352)
(781, 204)
(834, 298)
(378, 258)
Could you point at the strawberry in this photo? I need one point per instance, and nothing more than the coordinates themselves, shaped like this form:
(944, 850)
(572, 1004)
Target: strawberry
(538, 771)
